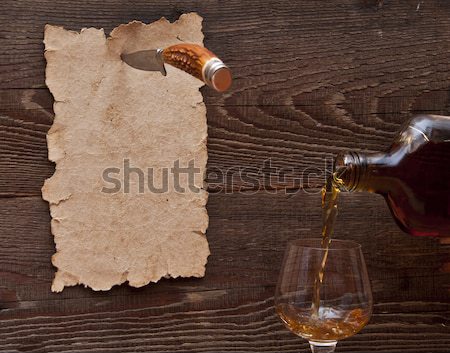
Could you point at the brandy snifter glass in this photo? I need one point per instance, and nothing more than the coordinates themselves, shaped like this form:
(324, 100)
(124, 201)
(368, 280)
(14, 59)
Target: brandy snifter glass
(328, 311)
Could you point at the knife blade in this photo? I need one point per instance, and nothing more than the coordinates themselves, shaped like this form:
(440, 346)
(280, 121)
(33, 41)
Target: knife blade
(147, 60)
(191, 58)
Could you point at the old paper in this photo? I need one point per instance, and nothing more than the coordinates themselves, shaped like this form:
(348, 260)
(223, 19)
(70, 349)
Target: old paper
(112, 124)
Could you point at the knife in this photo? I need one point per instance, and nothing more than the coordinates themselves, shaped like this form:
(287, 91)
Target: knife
(191, 58)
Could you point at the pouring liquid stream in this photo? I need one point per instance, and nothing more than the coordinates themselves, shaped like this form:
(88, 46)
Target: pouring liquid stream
(330, 195)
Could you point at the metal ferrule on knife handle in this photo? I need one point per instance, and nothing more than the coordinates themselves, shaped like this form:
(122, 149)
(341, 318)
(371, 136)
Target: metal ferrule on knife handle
(200, 63)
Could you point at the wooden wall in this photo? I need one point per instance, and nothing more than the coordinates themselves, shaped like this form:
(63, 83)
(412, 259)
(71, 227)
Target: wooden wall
(312, 78)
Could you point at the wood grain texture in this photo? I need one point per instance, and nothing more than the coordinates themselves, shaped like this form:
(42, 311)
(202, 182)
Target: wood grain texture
(308, 83)
(238, 320)
(231, 308)
(311, 78)
(248, 233)
(242, 140)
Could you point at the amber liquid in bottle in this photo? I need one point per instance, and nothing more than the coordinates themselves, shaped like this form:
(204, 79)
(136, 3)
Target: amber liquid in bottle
(413, 176)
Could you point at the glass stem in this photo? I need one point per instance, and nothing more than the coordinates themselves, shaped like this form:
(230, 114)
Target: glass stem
(322, 347)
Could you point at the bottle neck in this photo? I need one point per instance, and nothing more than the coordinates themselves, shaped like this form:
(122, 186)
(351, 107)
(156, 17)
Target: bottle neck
(360, 172)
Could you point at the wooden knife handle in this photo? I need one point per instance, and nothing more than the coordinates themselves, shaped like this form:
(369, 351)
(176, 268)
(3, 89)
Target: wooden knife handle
(200, 63)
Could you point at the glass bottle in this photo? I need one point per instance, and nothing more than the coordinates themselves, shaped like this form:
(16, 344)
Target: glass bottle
(413, 175)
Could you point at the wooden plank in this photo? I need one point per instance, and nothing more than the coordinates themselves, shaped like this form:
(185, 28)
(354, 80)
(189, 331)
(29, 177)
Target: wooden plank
(239, 320)
(242, 139)
(231, 309)
(247, 235)
(278, 50)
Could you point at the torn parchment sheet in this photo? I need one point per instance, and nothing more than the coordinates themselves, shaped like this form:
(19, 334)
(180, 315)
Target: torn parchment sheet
(127, 199)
